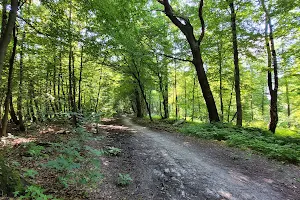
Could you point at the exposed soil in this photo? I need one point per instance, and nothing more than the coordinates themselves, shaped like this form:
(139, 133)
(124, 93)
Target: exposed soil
(171, 166)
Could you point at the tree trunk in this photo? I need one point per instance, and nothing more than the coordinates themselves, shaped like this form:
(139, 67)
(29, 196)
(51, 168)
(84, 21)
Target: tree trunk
(166, 100)
(220, 48)
(272, 58)
(263, 101)
(175, 89)
(12, 111)
(230, 102)
(71, 98)
(239, 121)
(99, 90)
(287, 93)
(185, 100)
(80, 80)
(20, 94)
(165, 96)
(5, 39)
(251, 106)
(193, 109)
(72, 106)
(188, 30)
(4, 17)
(54, 85)
(144, 96)
(30, 105)
(139, 110)
(47, 102)
(9, 86)
(74, 83)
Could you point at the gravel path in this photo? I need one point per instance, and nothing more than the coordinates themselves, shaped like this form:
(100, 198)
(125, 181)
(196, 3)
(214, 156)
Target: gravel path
(171, 166)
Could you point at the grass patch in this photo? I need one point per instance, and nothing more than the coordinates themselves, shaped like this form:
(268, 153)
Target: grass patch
(280, 146)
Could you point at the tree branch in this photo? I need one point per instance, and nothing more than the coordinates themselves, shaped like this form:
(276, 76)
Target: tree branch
(169, 12)
(202, 21)
(33, 27)
(175, 58)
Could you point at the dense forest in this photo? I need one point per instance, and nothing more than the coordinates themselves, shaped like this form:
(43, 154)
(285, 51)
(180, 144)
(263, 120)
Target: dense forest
(206, 61)
(220, 61)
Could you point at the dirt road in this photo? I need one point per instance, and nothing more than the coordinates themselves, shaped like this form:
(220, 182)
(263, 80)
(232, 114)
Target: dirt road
(170, 166)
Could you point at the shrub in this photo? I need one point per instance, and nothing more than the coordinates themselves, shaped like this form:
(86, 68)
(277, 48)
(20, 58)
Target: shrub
(124, 179)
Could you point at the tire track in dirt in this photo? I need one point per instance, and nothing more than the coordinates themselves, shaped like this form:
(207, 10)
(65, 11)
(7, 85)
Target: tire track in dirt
(170, 166)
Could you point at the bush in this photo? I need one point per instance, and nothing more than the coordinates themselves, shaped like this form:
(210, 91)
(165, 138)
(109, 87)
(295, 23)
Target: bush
(77, 164)
(10, 180)
(124, 179)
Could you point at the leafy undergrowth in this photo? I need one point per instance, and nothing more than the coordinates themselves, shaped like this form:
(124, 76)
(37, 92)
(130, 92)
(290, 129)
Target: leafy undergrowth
(55, 161)
(286, 149)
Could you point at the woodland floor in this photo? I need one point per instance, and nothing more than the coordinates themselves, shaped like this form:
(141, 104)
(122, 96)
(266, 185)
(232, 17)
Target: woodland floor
(171, 166)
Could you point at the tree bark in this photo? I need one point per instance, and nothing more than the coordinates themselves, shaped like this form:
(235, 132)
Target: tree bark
(99, 90)
(263, 101)
(5, 39)
(30, 104)
(239, 121)
(187, 29)
(175, 90)
(272, 58)
(20, 94)
(4, 17)
(163, 87)
(287, 93)
(220, 48)
(139, 110)
(12, 111)
(80, 79)
(185, 99)
(193, 109)
(230, 102)
(54, 85)
(9, 86)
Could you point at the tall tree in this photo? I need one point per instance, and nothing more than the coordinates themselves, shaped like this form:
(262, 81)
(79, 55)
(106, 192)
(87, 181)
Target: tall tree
(9, 86)
(7, 32)
(239, 120)
(183, 23)
(272, 60)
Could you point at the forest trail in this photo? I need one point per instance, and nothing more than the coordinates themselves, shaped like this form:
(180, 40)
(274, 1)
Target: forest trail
(171, 166)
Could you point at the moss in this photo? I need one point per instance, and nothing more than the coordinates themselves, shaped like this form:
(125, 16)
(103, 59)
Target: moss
(10, 180)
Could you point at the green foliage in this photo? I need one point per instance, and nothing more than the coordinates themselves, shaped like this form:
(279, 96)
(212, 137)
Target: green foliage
(77, 163)
(95, 152)
(280, 148)
(35, 192)
(113, 151)
(10, 180)
(124, 179)
(63, 164)
(93, 118)
(31, 173)
(34, 150)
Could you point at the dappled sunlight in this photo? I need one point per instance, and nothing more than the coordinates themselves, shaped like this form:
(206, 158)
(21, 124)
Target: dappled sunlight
(108, 119)
(270, 181)
(12, 140)
(50, 130)
(116, 128)
(226, 195)
(239, 177)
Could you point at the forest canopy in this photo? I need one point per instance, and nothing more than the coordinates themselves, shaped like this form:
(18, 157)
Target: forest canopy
(208, 60)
